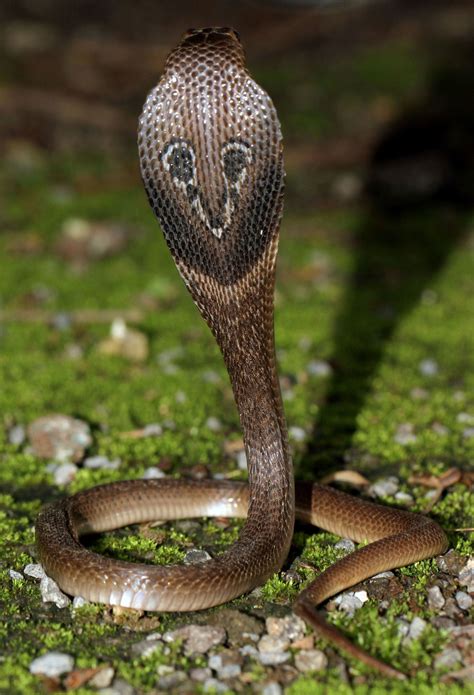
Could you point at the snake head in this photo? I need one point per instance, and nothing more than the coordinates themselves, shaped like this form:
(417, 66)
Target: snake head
(211, 161)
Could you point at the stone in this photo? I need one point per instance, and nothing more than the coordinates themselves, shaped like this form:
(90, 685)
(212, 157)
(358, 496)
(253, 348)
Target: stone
(101, 462)
(15, 575)
(404, 498)
(385, 487)
(405, 434)
(416, 629)
(346, 545)
(448, 658)
(16, 435)
(65, 473)
(195, 555)
(351, 601)
(227, 664)
(319, 368)
(272, 688)
(34, 570)
(200, 674)
(428, 367)
(153, 472)
(102, 678)
(289, 628)
(213, 424)
(272, 650)
(463, 600)
(59, 437)
(466, 575)
(146, 647)
(198, 639)
(310, 660)
(125, 342)
(51, 593)
(52, 664)
(171, 680)
(297, 434)
(436, 599)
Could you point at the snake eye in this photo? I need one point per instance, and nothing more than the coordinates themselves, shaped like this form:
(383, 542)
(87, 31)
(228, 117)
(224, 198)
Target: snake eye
(236, 156)
(179, 160)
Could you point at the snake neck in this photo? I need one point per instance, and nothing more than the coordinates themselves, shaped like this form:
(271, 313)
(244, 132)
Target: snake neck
(241, 319)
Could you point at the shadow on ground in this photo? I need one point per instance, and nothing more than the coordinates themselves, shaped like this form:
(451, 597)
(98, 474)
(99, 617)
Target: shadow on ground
(419, 183)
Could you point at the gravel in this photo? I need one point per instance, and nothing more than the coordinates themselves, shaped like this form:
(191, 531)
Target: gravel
(405, 434)
(289, 628)
(463, 600)
(310, 660)
(436, 599)
(195, 555)
(198, 639)
(51, 593)
(65, 473)
(448, 658)
(52, 664)
(415, 630)
(351, 601)
(385, 487)
(59, 437)
(101, 462)
(428, 367)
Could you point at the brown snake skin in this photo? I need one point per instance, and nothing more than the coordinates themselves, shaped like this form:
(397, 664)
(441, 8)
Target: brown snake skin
(211, 160)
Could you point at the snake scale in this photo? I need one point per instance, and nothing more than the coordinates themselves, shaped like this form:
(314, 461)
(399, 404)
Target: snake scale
(211, 161)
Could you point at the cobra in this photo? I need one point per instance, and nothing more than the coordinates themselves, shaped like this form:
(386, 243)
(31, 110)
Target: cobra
(211, 160)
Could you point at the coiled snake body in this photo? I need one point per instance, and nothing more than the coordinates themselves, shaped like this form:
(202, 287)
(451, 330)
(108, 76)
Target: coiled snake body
(211, 161)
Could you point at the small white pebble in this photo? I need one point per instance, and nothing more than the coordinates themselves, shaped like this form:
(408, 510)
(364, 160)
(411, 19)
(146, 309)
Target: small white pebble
(34, 570)
(385, 487)
(195, 555)
(103, 678)
(297, 433)
(291, 627)
(99, 462)
(79, 602)
(15, 575)
(154, 429)
(16, 435)
(436, 599)
(465, 418)
(383, 575)
(403, 498)
(448, 658)
(405, 434)
(273, 644)
(272, 688)
(212, 685)
(213, 424)
(65, 473)
(319, 368)
(52, 664)
(248, 650)
(346, 545)
(273, 658)
(416, 629)
(310, 660)
(153, 472)
(350, 601)
(468, 433)
(428, 367)
(463, 600)
(466, 575)
(51, 593)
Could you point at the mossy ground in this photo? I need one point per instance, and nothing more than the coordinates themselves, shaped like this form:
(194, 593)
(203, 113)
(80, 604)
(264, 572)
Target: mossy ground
(374, 309)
